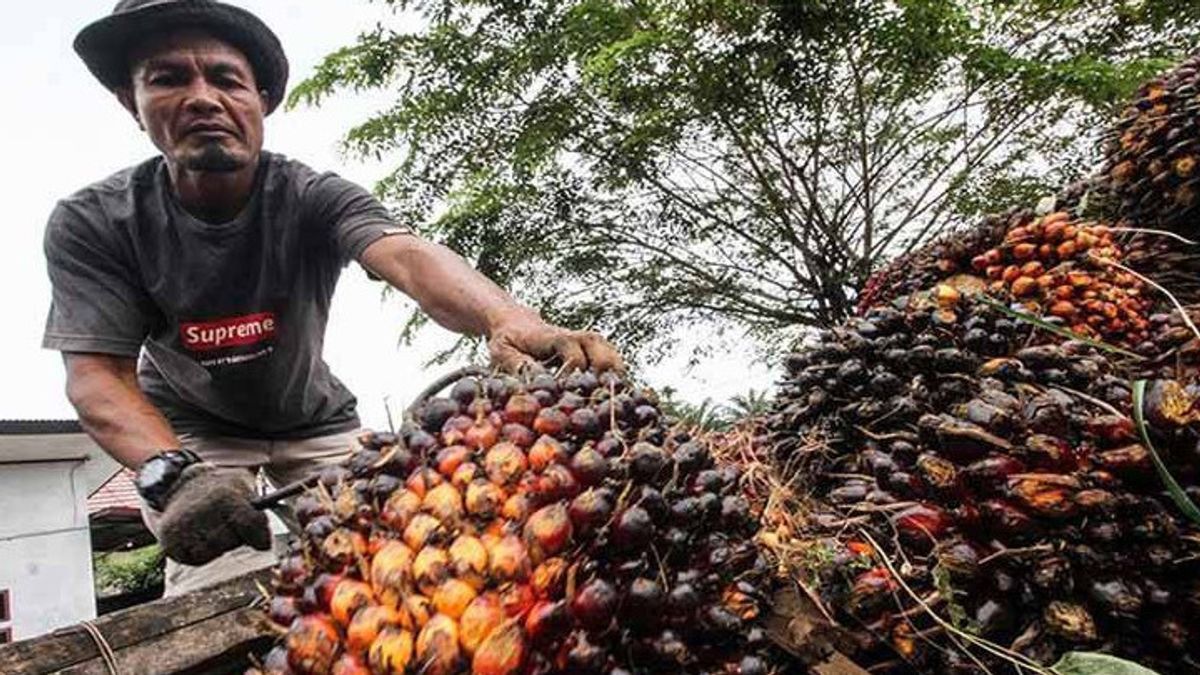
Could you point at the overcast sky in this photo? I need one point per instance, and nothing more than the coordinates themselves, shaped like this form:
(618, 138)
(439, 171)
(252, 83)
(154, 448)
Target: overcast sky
(62, 131)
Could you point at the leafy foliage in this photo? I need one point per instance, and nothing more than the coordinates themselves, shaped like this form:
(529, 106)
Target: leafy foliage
(711, 416)
(127, 571)
(644, 165)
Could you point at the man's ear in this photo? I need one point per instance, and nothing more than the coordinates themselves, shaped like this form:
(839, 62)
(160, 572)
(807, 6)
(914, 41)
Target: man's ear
(125, 96)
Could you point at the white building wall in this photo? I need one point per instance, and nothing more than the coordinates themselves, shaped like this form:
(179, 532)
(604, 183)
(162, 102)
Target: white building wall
(45, 545)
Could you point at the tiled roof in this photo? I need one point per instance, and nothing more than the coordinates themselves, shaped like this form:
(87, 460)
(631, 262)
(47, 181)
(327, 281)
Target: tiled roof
(118, 492)
(35, 427)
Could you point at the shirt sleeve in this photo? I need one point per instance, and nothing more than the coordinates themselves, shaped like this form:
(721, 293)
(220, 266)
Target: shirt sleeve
(357, 219)
(98, 303)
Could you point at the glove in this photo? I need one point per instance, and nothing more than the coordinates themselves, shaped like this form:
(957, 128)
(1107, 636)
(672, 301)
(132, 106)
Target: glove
(522, 338)
(208, 513)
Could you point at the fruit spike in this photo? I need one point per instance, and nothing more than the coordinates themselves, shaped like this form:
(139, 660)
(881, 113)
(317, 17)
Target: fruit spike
(1152, 151)
(936, 261)
(544, 525)
(996, 470)
(1061, 267)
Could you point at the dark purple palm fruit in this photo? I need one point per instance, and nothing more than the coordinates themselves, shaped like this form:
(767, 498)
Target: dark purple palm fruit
(527, 525)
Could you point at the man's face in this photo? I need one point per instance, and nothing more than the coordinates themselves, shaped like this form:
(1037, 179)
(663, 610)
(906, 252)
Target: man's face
(198, 100)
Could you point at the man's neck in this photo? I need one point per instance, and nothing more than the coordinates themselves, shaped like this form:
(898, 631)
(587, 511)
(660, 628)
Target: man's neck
(213, 197)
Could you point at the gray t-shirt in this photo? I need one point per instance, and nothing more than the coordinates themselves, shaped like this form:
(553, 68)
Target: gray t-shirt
(229, 319)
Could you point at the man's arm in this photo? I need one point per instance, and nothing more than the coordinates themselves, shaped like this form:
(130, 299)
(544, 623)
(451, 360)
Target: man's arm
(461, 299)
(113, 410)
(206, 511)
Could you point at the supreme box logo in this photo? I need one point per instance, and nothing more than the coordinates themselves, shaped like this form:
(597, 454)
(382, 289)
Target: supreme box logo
(201, 336)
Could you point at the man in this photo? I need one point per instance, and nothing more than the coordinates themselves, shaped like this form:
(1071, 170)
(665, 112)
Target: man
(216, 262)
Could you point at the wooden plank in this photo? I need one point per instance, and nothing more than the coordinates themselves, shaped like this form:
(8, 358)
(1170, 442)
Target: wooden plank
(217, 644)
(130, 627)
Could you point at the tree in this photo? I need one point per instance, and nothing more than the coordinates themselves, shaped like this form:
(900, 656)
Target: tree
(644, 165)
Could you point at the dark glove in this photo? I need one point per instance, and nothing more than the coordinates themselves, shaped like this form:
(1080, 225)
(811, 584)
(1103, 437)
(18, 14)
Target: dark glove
(209, 513)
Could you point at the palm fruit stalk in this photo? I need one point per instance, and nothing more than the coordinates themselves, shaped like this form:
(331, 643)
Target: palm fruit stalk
(1152, 151)
(966, 470)
(539, 525)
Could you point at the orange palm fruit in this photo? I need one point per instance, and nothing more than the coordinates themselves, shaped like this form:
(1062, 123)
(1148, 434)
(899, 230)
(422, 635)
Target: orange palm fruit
(484, 498)
(391, 572)
(516, 508)
(445, 503)
(452, 597)
(1024, 251)
(482, 435)
(349, 596)
(420, 530)
(548, 531)
(464, 474)
(400, 507)
(517, 599)
(1024, 287)
(422, 480)
(469, 560)
(391, 652)
(449, 459)
(549, 578)
(437, 650)
(367, 624)
(350, 664)
(479, 619)
(430, 568)
(419, 608)
(1063, 309)
(546, 451)
(504, 464)
(312, 643)
(509, 559)
(502, 652)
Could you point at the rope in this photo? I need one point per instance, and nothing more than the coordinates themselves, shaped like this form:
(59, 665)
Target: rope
(106, 650)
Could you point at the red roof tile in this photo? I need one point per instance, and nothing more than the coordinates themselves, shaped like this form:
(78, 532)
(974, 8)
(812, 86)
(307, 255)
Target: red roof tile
(116, 492)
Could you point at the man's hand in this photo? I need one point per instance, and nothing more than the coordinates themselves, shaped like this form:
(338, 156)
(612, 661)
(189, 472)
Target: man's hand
(465, 301)
(521, 338)
(209, 513)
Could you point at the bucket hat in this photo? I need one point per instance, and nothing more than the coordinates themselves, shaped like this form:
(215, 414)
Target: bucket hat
(104, 44)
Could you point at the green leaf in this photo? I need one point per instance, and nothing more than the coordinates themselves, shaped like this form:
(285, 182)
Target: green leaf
(1091, 663)
(1057, 330)
(1180, 497)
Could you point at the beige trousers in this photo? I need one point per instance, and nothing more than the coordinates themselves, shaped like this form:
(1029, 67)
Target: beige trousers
(280, 463)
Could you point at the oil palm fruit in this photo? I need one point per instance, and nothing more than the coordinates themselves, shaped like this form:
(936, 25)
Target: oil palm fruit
(938, 260)
(544, 525)
(1059, 266)
(1152, 152)
(960, 466)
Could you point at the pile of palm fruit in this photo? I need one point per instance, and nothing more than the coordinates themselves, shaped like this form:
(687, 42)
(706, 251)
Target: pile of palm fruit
(979, 492)
(536, 525)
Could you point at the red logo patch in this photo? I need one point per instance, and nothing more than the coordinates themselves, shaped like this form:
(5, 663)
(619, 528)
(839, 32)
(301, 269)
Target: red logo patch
(203, 336)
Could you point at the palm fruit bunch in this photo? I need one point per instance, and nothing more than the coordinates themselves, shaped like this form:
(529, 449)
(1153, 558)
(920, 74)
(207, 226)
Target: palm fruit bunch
(1062, 267)
(959, 469)
(940, 259)
(1151, 154)
(536, 525)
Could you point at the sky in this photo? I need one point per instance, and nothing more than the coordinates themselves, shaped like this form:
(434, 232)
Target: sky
(63, 131)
